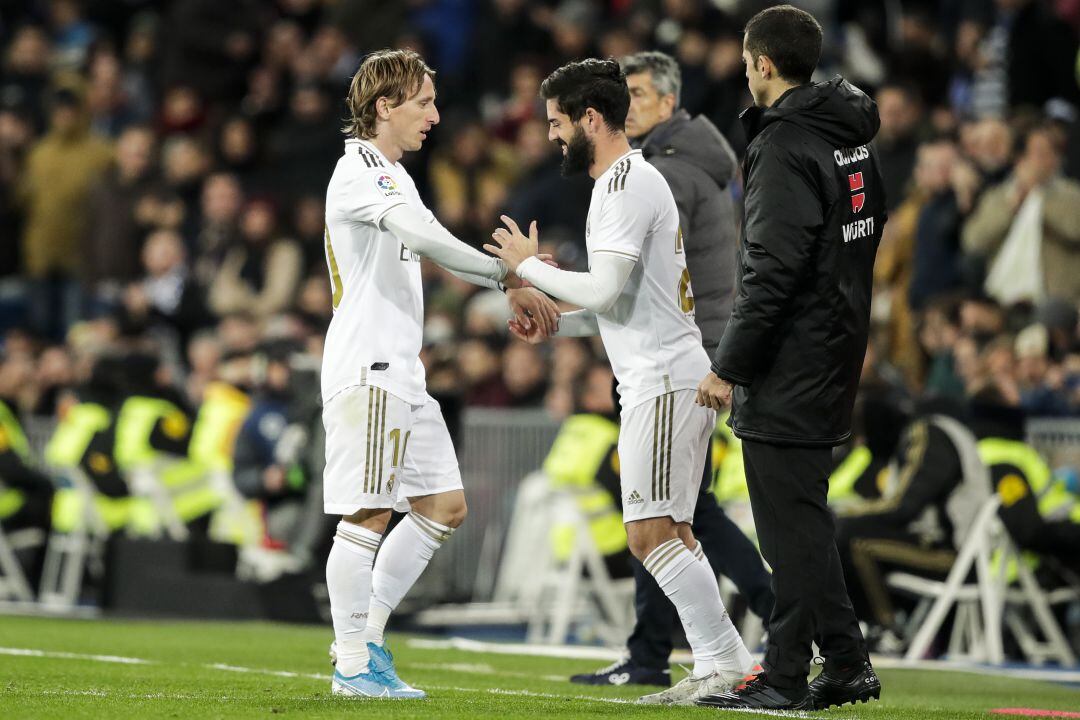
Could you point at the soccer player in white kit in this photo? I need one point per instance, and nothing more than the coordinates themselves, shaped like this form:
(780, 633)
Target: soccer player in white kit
(387, 446)
(637, 297)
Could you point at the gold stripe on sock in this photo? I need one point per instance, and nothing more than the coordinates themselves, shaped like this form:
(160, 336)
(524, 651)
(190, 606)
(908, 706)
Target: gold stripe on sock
(437, 533)
(663, 562)
(361, 542)
(659, 557)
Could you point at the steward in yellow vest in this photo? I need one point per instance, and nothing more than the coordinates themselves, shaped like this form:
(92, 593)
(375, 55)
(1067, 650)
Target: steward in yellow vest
(585, 449)
(83, 442)
(1038, 510)
(153, 438)
(584, 460)
(25, 493)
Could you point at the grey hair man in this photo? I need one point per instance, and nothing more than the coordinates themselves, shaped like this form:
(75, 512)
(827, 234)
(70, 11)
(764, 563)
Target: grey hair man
(699, 165)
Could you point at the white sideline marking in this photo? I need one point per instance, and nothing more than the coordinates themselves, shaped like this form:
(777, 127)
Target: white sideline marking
(530, 693)
(552, 651)
(27, 652)
(258, 671)
(130, 696)
(480, 669)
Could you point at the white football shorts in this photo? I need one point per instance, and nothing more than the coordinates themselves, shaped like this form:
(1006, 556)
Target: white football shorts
(381, 450)
(662, 446)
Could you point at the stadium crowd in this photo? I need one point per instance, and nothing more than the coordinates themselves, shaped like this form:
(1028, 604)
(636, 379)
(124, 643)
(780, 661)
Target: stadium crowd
(163, 167)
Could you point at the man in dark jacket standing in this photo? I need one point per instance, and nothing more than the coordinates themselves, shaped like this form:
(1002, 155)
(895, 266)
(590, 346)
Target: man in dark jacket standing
(699, 165)
(790, 358)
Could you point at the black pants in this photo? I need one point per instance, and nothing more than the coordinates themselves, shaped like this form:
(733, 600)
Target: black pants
(729, 552)
(869, 551)
(796, 531)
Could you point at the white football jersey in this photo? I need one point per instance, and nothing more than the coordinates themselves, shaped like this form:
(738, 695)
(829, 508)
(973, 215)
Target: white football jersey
(649, 333)
(377, 330)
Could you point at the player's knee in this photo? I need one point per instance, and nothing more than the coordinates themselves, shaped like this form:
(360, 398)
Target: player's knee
(644, 536)
(375, 520)
(456, 514)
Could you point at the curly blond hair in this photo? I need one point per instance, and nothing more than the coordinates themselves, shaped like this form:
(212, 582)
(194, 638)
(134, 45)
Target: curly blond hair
(393, 74)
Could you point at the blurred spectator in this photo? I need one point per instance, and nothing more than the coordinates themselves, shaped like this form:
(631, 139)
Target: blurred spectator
(167, 297)
(1028, 228)
(185, 163)
(900, 109)
(308, 227)
(1041, 54)
(61, 171)
(220, 205)
(990, 146)
(919, 54)
(307, 142)
(72, 34)
(261, 274)
(937, 231)
(522, 105)
(268, 463)
(110, 250)
(25, 77)
(211, 44)
(938, 336)
(481, 372)
(470, 181)
(238, 152)
(525, 375)
(16, 137)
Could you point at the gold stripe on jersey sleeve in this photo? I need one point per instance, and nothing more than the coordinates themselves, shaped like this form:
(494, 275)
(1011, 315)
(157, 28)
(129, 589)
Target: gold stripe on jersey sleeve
(335, 274)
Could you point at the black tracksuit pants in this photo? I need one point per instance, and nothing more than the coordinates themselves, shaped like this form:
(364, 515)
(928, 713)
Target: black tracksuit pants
(730, 553)
(796, 531)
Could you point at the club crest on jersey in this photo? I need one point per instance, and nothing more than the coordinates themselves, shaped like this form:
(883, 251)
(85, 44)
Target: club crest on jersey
(387, 186)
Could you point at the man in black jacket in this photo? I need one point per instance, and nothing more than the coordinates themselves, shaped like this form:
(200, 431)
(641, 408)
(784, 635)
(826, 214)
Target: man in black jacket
(699, 165)
(790, 358)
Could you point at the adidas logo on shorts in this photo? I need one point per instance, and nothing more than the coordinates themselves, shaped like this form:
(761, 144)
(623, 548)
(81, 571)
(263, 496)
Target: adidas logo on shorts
(634, 498)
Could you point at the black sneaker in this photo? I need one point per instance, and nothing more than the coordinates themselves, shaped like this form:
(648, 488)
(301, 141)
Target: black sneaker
(756, 694)
(838, 688)
(625, 672)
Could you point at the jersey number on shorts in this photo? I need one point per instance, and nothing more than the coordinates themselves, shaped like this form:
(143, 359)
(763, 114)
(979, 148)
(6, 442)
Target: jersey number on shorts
(335, 274)
(399, 457)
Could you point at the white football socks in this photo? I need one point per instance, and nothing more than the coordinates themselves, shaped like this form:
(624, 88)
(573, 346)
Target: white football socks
(348, 583)
(690, 584)
(406, 552)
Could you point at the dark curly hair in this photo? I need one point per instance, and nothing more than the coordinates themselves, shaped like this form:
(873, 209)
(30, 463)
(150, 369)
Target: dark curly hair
(592, 83)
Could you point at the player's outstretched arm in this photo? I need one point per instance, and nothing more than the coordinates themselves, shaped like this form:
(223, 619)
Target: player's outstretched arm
(595, 290)
(433, 241)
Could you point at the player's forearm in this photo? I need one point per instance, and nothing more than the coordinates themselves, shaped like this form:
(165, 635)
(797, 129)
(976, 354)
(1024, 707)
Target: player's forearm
(579, 323)
(596, 290)
(432, 241)
(476, 279)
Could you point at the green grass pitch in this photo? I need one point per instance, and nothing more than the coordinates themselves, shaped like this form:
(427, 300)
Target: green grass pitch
(123, 669)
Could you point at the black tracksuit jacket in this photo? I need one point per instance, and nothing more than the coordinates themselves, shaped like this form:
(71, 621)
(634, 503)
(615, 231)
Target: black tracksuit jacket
(814, 213)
